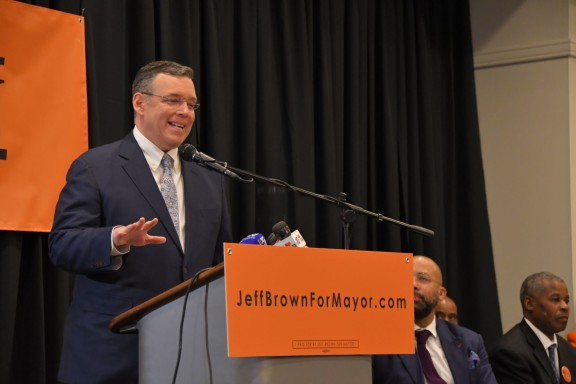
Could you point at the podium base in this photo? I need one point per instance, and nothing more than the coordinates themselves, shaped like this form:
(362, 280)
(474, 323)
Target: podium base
(205, 359)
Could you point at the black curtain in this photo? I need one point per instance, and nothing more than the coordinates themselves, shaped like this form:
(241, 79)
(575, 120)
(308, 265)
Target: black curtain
(373, 98)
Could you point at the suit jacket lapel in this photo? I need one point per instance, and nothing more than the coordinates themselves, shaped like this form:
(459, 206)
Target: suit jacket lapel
(191, 197)
(412, 366)
(538, 349)
(138, 171)
(455, 352)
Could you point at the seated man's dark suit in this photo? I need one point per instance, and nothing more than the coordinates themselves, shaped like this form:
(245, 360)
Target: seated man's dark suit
(520, 357)
(113, 185)
(464, 350)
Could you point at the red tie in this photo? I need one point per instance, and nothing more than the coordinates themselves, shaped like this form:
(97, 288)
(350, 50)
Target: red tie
(425, 358)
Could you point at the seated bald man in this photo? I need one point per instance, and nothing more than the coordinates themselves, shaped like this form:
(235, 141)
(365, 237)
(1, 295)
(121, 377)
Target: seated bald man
(445, 352)
(447, 310)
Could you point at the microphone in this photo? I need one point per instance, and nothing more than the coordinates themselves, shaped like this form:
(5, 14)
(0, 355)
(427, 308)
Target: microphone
(255, 238)
(295, 239)
(272, 239)
(189, 153)
(282, 236)
(281, 230)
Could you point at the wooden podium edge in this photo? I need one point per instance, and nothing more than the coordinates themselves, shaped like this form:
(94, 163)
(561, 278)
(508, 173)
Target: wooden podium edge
(127, 320)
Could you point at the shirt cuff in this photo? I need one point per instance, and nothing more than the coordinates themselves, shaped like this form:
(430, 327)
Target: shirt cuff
(117, 252)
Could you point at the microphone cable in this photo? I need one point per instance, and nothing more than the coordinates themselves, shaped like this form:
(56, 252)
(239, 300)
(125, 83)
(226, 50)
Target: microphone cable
(209, 360)
(183, 316)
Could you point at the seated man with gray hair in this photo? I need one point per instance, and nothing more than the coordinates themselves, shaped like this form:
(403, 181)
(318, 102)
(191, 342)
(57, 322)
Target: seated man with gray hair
(532, 351)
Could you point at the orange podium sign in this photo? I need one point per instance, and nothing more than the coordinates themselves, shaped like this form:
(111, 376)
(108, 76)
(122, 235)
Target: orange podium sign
(289, 301)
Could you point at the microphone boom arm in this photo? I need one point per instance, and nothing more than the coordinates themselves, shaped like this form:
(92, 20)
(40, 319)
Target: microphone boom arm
(334, 201)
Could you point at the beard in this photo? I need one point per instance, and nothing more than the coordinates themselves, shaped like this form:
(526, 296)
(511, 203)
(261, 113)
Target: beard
(425, 306)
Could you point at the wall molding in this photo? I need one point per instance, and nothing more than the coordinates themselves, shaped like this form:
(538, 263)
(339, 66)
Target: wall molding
(552, 51)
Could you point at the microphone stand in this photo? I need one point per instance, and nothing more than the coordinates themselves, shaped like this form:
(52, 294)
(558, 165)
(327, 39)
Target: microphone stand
(347, 217)
(348, 211)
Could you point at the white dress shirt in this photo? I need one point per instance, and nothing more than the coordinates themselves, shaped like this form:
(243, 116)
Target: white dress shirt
(153, 156)
(546, 342)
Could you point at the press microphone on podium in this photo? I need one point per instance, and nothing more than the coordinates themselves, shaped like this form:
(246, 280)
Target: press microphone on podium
(285, 237)
(294, 240)
(281, 230)
(255, 238)
(272, 239)
(189, 153)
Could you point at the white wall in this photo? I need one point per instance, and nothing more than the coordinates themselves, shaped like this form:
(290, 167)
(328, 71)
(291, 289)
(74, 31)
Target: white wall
(524, 57)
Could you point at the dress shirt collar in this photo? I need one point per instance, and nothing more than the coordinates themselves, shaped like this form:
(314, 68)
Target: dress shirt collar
(546, 342)
(431, 327)
(154, 154)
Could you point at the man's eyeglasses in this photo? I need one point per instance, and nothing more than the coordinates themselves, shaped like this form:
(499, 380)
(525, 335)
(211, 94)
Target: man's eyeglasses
(174, 102)
(424, 279)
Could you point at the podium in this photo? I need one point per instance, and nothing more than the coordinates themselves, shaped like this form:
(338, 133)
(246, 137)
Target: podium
(204, 353)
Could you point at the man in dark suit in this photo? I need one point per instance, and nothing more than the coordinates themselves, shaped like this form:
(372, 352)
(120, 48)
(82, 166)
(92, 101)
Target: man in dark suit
(532, 351)
(446, 353)
(132, 223)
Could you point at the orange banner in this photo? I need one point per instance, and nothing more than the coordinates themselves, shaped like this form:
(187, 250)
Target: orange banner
(289, 301)
(43, 110)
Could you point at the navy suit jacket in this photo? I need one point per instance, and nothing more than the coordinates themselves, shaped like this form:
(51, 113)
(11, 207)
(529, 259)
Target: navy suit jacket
(113, 185)
(520, 357)
(464, 350)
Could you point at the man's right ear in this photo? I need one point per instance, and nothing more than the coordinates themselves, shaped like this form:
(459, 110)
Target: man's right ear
(528, 304)
(138, 102)
(442, 292)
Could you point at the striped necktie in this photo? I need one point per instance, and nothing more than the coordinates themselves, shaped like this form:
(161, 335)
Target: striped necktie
(552, 355)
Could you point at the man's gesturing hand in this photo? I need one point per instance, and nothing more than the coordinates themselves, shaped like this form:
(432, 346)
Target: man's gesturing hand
(136, 234)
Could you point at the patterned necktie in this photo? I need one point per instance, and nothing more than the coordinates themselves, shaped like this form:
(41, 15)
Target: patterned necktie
(425, 358)
(552, 355)
(168, 189)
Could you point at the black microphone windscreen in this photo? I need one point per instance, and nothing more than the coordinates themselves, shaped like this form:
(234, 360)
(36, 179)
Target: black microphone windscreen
(281, 230)
(272, 239)
(187, 152)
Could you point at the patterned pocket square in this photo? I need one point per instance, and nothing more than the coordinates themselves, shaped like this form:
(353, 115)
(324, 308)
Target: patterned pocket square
(473, 359)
